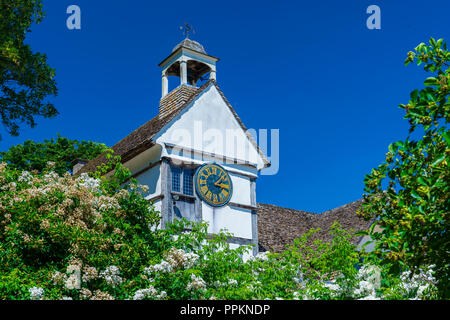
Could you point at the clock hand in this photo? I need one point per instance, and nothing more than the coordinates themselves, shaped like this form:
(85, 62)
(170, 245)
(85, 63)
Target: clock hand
(224, 186)
(219, 180)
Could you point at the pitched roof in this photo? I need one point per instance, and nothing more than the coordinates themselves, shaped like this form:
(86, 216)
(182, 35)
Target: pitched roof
(170, 106)
(278, 227)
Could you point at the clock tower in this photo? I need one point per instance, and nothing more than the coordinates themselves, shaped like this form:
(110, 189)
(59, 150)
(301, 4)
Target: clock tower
(197, 157)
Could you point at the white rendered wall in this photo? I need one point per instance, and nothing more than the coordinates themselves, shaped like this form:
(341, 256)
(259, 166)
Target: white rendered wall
(237, 221)
(204, 126)
(241, 189)
(152, 179)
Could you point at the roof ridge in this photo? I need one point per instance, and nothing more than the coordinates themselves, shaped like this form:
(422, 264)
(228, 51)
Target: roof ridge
(342, 206)
(160, 122)
(286, 208)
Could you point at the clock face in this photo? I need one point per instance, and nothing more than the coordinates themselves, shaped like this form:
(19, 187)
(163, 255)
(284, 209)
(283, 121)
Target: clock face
(213, 185)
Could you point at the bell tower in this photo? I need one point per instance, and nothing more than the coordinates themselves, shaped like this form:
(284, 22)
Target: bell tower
(188, 61)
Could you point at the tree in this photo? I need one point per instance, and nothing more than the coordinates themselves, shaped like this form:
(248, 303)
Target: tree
(25, 78)
(34, 156)
(409, 192)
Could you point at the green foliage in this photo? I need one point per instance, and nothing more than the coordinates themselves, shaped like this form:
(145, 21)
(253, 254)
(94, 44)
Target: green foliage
(324, 262)
(65, 237)
(49, 222)
(62, 151)
(25, 78)
(409, 192)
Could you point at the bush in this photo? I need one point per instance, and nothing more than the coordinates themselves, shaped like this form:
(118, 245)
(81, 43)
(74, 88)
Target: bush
(65, 237)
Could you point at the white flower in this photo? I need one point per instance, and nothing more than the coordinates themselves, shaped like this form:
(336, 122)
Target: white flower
(190, 260)
(149, 293)
(51, 177)
(58, 277)
(112, 276)
(91, 184)
(104, 203)
(9, 187)
(372, 274)
(89, 273)
(262, 256)
(369, 297)
(369, 277)
(36, 293)
(197, 283)
(417, 282)
(232, 282)
(73, 281)
(26, 177)
(163, 266)
(365, 288)
(51, 164)
(71, 268)
(421, 289)
(178, 258)
(332, 286)
(145, 293)
(85, 293)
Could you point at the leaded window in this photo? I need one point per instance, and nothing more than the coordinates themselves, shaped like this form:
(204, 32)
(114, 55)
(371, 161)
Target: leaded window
(188, 177)
(183, 181)
(176, 179)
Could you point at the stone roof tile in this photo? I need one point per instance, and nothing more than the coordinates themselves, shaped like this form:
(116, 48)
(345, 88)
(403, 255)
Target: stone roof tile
(278, 227)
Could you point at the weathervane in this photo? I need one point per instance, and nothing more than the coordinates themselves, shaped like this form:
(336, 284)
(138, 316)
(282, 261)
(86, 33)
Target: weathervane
(187, 28)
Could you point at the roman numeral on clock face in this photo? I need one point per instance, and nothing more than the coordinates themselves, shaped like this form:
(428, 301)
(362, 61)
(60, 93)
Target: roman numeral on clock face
(224, 193)
(213, 185)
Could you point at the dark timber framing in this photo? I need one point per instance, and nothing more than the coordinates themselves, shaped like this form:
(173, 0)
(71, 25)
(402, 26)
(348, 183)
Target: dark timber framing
(165, 192)
(224, 159)
(254, 216)
(160, 196)
(234, 240)
(192, 164)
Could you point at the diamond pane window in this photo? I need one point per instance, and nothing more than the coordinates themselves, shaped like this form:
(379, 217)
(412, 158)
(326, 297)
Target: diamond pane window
(188, 182)
(176, 179)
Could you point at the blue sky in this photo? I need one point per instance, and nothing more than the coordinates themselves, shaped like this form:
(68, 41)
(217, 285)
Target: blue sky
(311, 69)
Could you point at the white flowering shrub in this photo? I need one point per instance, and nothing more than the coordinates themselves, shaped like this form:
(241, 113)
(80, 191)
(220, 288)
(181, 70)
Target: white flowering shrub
(80, 238)
(36, 293)
(149, 294)
(90, 183)
(413, 285)
(112, 276)
(196, 284)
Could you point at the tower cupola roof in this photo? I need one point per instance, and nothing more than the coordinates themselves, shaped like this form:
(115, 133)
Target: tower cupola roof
(190, 44)
(188, 61)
